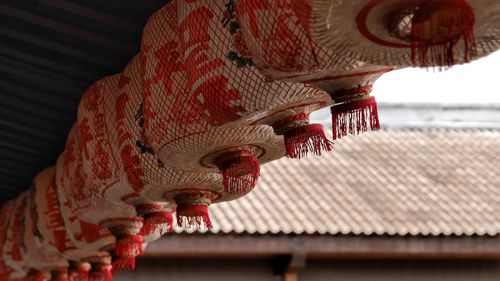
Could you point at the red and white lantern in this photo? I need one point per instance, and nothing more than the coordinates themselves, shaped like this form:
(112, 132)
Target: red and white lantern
(174, 124)
(270, 25)
(407, 32)
(39, 253)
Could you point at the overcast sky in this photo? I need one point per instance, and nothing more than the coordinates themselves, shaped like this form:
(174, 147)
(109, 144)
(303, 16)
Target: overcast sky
(476, 82)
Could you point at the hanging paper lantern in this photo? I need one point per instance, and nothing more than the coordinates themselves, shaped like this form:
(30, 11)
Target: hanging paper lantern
(14, 241)
(407, 32)
(268, 25)
(52, 227)
(102, 173)
(154, 214)
(148, 176)
(232, 92)
(85, 210)
(38, 253)
(87, 242)
(175, 127)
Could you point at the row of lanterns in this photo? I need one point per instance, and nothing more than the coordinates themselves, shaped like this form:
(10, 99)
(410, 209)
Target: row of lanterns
(219, 88)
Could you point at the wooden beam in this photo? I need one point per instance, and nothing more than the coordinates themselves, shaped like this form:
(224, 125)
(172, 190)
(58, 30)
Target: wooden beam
(59, 48)
(326, 247)
(33, 58)
(61, 103)
(40, 79)
(91, 14)
(64, 28)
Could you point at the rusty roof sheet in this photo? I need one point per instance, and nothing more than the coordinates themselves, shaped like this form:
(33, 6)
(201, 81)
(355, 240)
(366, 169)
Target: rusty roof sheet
(392, 182)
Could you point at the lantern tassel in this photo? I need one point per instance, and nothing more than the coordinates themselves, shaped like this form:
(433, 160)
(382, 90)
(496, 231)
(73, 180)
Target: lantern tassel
(123, 264)
(300, 141)
(240, 173)
(128, 245)
(437, 26)
(193, 216)
(354, 117)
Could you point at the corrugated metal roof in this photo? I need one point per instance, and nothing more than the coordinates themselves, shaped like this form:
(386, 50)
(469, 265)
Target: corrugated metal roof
(393, 182)
(50, 52)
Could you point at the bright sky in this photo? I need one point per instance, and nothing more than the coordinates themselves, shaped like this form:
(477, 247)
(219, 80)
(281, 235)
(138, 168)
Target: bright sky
(476, 82)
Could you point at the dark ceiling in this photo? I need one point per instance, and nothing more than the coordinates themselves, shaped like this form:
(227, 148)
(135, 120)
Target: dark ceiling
(50, 52)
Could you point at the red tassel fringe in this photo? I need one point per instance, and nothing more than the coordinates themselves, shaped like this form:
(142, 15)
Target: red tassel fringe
(128, 245)
(240, 174)
(103, 273)
(193, 216)
(123, 264)
(155, 223)
(300, 141)
(437, 26)
(354, 117)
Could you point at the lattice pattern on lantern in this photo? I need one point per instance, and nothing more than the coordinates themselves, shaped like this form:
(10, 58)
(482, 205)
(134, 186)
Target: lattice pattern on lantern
(89, 238)
(232, 91)
(14, 238)
(407, 32)
(52, 227)
(135, 158)
(277, 35)
(165, 94)
(39, 254)
(260, 23)
(146, 173)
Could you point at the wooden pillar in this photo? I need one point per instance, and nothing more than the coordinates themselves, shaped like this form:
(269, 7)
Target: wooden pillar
(288, 267)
